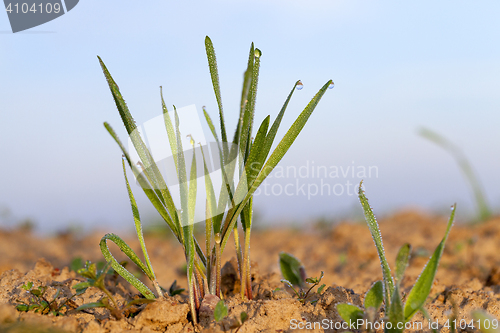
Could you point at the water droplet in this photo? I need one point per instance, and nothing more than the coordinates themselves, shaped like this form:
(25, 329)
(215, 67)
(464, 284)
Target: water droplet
(300, 85)
(331, 85)
(257, 53)
(191, 141)
(452, 206)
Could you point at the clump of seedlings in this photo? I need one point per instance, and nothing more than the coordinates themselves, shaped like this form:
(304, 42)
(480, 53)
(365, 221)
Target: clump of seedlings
(255, 163)
(294, 275)
(95, 277)
(388, 290)
(483, 209)
(39, 303)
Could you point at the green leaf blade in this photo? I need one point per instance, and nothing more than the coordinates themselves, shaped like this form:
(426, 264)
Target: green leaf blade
(402, 260)
(377, 239)
(420, 291)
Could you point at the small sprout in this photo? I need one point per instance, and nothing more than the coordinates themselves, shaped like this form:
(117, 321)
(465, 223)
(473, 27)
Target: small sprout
(27, 286)
(39, 302)
(320, 289)
(243, 317)
(96, 278)
(220, 311)
(396, 311)
(175, 289)
(303, 294)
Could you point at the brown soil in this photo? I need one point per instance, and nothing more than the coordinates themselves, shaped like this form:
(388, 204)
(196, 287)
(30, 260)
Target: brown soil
(468, 276)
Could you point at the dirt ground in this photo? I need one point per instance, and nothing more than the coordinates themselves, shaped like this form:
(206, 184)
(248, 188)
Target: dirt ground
(468, 276)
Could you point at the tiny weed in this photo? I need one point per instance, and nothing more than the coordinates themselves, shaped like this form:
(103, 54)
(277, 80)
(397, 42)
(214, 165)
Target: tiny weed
(388, 290)
(96, 278)
(39, 303)
(175, 289)
(294, 277)
(220, 311)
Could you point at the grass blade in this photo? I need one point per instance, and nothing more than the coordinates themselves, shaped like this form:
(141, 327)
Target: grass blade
(138, 228)
(396, 316)
(154, 196)
(421, 289)
(120, 269)
(214, 73)
(466, 168)
(377, 238)
(150, 167)
(402, 260)
(243, 192)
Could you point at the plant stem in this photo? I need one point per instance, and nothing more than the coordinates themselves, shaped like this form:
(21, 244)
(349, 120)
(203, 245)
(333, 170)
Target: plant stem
(217, 265)
(158, 289)
(247, 265)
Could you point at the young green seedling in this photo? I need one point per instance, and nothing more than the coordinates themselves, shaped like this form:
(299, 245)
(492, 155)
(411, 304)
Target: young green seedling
(235, 201)
(294, 275)
(39, 303)
(96, 278)
(220, 311)
(397, 313)
(484, 211)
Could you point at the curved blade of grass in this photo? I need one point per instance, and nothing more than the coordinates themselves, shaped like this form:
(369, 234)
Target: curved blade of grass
(375, 296)
(377, 239)
(243, 191)
(402, 260)
(138, 228)
(214, 73)
(350, 313)
(465, 167)
(120, 269)
(420, 291)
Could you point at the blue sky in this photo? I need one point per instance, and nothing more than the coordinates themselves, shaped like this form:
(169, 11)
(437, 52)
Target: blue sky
(397, 66)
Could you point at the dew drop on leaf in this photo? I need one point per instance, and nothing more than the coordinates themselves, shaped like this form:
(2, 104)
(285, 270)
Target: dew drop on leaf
(331, 85)
(257, 53)
(300, 85)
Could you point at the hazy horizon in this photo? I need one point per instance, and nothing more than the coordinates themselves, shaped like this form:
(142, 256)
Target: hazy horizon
(397, 67)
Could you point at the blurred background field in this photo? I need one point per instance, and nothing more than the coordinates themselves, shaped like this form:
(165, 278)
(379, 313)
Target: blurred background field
(396, 67)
